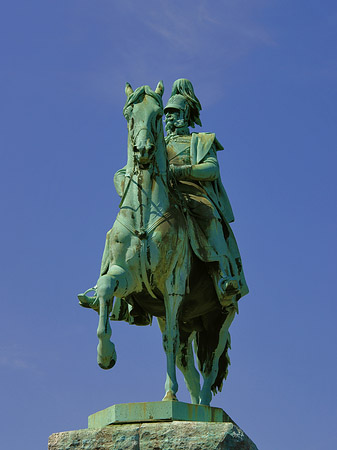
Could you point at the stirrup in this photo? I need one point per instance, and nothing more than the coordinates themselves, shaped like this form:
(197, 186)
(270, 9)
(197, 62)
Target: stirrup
(89, 302)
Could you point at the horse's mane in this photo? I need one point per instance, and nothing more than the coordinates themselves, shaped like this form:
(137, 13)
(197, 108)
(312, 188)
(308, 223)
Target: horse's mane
(135, 96)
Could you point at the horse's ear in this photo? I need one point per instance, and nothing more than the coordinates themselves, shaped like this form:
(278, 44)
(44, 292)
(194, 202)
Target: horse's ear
(128, 89)
(160, 88)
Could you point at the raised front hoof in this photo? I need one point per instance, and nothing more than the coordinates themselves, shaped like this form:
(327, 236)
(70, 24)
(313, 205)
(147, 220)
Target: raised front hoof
(107, 357)
(170, 397)
(106, 366)
(106, 363)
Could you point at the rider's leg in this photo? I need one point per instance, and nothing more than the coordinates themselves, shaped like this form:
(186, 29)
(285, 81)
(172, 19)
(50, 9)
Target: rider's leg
(215, 232)
(226, 284)
(123, 282)
(89, 301)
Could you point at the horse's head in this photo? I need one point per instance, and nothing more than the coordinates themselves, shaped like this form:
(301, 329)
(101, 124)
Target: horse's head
(143, 111)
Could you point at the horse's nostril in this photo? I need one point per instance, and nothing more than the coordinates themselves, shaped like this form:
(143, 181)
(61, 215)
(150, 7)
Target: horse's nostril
(149, 144)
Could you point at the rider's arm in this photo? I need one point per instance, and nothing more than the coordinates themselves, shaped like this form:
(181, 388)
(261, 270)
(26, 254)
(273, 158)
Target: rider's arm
(206, 170)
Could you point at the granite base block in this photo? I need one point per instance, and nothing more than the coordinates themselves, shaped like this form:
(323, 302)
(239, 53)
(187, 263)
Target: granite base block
(176, 435)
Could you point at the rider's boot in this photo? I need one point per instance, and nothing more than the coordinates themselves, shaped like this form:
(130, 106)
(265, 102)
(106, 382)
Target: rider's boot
(227, 287)
(89, 302)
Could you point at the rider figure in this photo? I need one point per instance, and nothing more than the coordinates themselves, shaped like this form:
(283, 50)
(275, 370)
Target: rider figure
(194, 164)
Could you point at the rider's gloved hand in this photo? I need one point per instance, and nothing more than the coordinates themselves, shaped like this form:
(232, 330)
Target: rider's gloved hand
(181, 172)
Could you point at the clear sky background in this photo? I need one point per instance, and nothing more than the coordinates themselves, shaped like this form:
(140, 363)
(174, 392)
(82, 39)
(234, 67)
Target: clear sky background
(265, 72)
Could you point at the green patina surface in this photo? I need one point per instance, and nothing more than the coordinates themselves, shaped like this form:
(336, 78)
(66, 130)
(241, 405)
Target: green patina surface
(155, 412)
(171, 252)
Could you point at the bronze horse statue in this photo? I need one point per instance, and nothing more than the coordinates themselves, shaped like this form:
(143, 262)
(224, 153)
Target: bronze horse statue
(148, 262)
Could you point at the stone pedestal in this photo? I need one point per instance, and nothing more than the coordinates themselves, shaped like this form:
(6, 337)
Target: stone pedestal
(159, 426)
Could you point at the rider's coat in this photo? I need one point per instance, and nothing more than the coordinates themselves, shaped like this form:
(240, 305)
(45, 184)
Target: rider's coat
(208, 207)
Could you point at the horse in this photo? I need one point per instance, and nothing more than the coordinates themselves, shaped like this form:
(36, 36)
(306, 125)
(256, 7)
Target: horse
(148, 261)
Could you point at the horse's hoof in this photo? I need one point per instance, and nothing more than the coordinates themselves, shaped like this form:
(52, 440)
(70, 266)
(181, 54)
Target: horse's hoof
(107, 363)
(107, 356)
(107, 366)
(205, 400)
(170, 397)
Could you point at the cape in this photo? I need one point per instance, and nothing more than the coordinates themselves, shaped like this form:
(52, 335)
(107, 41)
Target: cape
(201, 144)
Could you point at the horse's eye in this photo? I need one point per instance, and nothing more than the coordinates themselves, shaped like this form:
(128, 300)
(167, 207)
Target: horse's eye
(159, 116)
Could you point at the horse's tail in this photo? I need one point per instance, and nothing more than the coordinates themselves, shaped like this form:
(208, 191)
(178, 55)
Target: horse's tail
(224, 363)
(211, 349)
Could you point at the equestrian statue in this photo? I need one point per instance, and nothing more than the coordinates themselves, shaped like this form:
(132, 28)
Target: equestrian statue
(171, 252)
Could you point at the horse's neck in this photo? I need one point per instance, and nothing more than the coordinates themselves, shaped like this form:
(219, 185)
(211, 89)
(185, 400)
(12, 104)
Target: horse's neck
(146, 198)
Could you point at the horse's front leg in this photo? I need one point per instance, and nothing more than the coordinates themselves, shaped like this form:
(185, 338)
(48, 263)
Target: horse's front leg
(106, 353)
(171, 343)
(115, 283)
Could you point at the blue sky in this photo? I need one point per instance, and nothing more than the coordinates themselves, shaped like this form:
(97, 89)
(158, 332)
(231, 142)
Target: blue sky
(265, 73)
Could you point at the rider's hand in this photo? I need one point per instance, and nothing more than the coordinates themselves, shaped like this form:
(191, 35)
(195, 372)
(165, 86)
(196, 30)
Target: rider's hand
(181, 172)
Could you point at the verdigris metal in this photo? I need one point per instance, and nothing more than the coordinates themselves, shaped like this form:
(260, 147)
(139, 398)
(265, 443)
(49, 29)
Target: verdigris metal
(155, 436)
(171, 252)
(156, 412)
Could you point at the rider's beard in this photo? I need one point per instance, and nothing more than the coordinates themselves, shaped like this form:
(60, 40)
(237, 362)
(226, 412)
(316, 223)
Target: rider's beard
(172, 125)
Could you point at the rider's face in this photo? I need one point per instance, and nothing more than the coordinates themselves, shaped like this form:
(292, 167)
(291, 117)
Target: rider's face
(175, 121)
(172, 115)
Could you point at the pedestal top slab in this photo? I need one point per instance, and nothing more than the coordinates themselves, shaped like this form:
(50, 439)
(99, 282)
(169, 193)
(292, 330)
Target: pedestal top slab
(156, 412)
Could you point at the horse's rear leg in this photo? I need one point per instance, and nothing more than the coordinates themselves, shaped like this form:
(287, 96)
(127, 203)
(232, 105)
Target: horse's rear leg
(185, 363)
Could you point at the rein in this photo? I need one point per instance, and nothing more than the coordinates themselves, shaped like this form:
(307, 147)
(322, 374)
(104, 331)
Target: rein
(143, 234)
(126, 188)
(142, 129)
